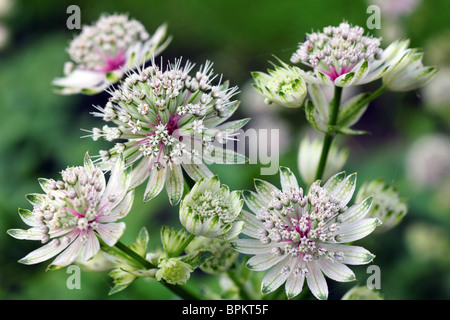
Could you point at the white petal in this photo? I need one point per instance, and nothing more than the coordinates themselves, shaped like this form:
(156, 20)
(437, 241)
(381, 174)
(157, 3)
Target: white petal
(316, 281)
(288, 179)
(141, 172)
(294, 283)
(111, 232)
(197, 171)
(275, 277)
(353, 255)
(174, 184)
(81, 79)
(265, 261)
(253, 201)
(356, 212)
(336, 270)
(251, 246)
(252, 225)
(70, 254)
(92, 245)
(29, 234)
(44, 253)
(265, 189)
(121, 210)
(155, 183)
(357, 230)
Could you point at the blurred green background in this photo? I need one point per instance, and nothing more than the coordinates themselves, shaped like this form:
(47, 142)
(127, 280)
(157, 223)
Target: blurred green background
(40, 131)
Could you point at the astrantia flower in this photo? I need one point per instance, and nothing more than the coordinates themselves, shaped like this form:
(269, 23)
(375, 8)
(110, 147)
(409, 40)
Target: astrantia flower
(387, 205)
(74, 211)
(407, 71)
(102, 52)
(167, 120)
(210, 210)
(300, 236)
(341, 56)
(283, 86)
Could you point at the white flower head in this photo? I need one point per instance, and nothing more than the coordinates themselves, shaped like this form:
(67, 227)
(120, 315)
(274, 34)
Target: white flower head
(73, 212)
(210, 210)
(104, 51)
(299, 236)
(284, 85)
(167, 120)
(387, 205)
(341, 56)
(407, 71)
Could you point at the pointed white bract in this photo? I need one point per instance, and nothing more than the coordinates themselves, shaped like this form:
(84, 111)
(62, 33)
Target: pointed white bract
(302, 237)
(210, 210)
(168, 120)
(104, 51)
(73, 212)
(341, 56)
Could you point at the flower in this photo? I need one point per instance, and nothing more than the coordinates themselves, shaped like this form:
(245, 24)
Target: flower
(284, 85)
(173, 271)
(210, 210)
(300, 236)
(309, 155)
(223, 256)
(74, 211)
(104, 51)
(341, 56)
(386, 206)
(407, 71)
(168, 121)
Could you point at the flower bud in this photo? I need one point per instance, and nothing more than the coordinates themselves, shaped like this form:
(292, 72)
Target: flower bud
(309, 156)
(223, 254)
(407, 71)
(173, 271)
(283, 86)
(386, 206)
(210, 210)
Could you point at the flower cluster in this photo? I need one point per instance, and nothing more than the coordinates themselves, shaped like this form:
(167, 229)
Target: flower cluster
(341, 56)
(73, 212)
(168, 120)
(300, 236)
(102, 52)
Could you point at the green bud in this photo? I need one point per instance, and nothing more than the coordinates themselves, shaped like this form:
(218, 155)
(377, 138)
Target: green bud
(173, 271)
(223, 256)
(210, 210)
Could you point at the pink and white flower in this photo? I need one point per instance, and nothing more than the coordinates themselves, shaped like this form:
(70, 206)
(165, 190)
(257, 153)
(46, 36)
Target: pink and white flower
(299, 236)
(341, 56)
(73, 213)
(104, 51)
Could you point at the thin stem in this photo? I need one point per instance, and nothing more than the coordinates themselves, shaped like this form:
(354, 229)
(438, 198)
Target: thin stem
(329, 136)
(133, 255)
(178, 290)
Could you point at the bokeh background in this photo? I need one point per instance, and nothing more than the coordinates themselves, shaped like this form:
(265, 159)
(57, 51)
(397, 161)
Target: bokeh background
(408, 145)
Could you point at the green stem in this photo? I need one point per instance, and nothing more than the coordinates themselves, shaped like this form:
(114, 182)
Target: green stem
(133, 255)
(185, 244)
(178, 290)
(243, 290)
(329, 136)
